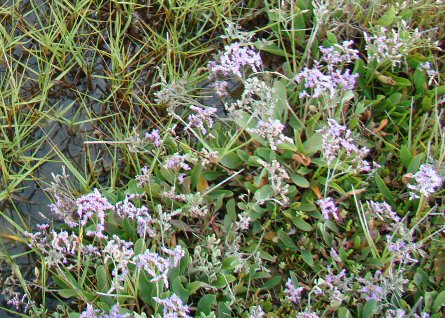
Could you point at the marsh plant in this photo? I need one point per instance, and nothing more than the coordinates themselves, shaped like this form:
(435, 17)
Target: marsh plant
(313, 190)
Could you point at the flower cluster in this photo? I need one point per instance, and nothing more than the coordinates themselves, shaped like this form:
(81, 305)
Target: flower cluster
(272, 131)
(402, 246)
(277, 178)
(145, 222)
(93, 205)
(64, 206)
(293, 294)
(91, 312)
(158, 266)
(176, 162)
(339, 144)
(234, 60)
(57, 247)
(13, 294)
(154, 137)
(427, 181)
(329, 209)
(257, 99)
(326, 76)
(172, 94)
(257, 312)
(120, 252)
(338, 55)
(391, 45)
(201, 118)
(379, 286)
(383, 212)
(173, 307)
(307, 314)
(144, 178)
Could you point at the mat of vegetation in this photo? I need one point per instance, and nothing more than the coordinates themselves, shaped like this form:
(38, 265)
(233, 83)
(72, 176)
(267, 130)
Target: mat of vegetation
(233, 158)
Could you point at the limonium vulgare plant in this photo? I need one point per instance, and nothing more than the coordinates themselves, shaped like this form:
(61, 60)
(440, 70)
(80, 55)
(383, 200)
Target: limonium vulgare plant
(290, 204)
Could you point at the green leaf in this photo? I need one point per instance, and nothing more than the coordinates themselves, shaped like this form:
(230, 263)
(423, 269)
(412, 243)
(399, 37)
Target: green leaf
(388, 19)
(415, 163)
(301, 224)
(264, 193)
(231, 161)
(439, 302)
(287, 241)
(103, 283)
(271, 48)
(268, 257)
(224, 310)
(271, 283)
(280, 97)
(244, 155)
(139, 247)
(299, 180)
(205, 304)
(179, 289)
(193, 287)
(331, 37)
(419, 81)
(67, 293)
(384, 189)
(196, 174)
(223, 280)
(147, 289)
(343, 312)
(307, 258)
(405, 156)
(265, 153)
(260, 275)
(60, 282)
(368, 308)
(312, 145)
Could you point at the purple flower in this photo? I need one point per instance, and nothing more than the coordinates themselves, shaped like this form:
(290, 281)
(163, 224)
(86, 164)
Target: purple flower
(114, 313)
(93, 204)
(220, 88)
(158, 266)
(404, 247)
(293, 294)
(395, 313)
(383, 211)
(176, 161)
(201, 118)
(144, 178)
(317, 81)
(339, 54)
(154, 137)
(120, 252)
(272, 131)
(307, 314)
(327, 76)
(427, 181)
(233, 60)
(173, 307)
(244, 222)
(329, 209)
(64, 208)
(126, 209)
(55, 246)
(338, 144)
(257, 312)
(90, 312)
